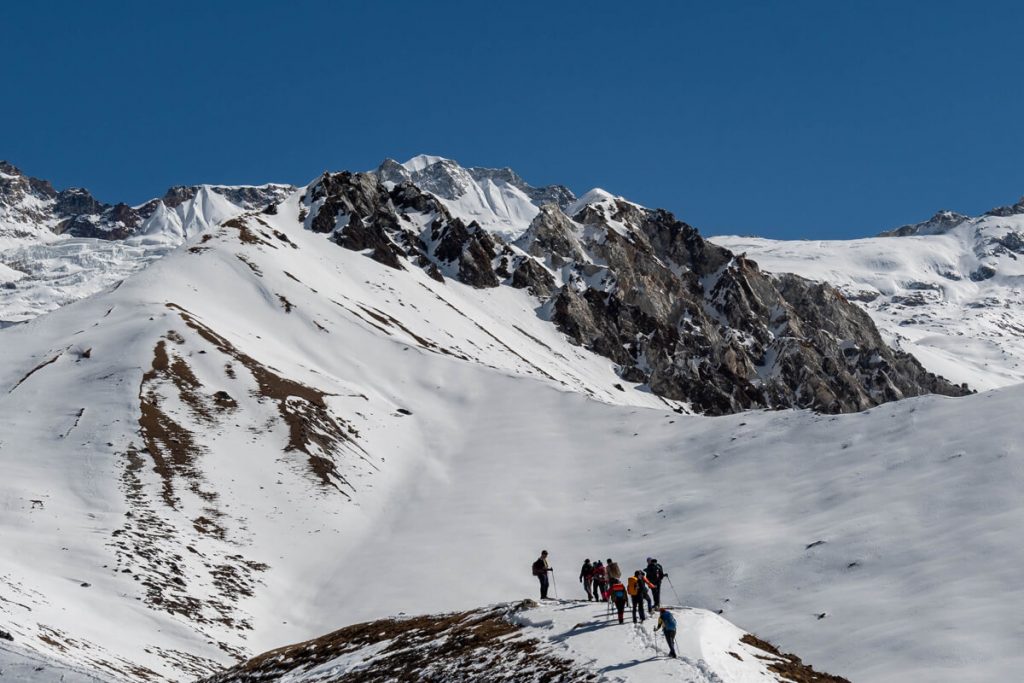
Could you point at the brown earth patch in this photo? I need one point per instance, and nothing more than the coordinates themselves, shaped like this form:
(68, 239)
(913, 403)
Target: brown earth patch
(245, 234)
(252, 266)
(790, 667)
(172, 447)
(312, 428)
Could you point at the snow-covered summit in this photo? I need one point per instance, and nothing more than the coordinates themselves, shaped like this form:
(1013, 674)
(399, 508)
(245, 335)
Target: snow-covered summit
(499, 200)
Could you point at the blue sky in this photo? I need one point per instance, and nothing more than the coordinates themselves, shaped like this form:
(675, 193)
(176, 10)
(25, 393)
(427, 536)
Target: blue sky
(789, 119)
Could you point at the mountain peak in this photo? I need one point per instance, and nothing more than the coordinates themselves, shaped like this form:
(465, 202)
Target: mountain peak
(942, 222)
(497, 199)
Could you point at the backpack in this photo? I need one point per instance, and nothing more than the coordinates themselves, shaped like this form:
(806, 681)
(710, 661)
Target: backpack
(538, 567)
(632, 588)
(619, 591)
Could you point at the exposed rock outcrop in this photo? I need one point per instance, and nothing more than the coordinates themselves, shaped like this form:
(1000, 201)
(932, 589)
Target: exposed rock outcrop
(689, 319)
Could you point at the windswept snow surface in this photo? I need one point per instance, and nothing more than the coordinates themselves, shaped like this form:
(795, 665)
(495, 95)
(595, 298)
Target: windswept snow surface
(954, 298)
(635, 653)
(465, 434)
(17, 666)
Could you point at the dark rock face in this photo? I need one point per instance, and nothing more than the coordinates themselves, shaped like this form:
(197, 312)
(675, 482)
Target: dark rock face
(942, 222)
(691, 320)
(1004, 211)
(76, 201)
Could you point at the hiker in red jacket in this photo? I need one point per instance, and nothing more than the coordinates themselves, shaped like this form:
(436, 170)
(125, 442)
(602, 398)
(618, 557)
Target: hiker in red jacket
(600, 582)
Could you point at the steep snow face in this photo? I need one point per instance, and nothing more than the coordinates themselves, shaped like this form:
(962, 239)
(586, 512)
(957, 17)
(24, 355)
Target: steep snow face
(496, 199)
(58, 247)
(264, 436)
(949, 290)
(529, 643)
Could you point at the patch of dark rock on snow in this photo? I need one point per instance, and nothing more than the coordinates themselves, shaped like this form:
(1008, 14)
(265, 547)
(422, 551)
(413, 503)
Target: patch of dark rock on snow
(4, 635)
(982, 273)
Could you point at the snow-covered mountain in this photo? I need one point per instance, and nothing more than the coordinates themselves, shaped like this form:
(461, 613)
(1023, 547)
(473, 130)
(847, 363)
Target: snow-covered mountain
(949, 290)
(58, 247)
(353, 403)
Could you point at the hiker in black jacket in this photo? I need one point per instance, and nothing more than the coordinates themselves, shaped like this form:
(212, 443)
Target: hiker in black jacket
(540, 570)
(655, 574)
(587, 578)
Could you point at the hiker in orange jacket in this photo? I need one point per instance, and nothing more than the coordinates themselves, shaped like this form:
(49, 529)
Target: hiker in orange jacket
(637, 587)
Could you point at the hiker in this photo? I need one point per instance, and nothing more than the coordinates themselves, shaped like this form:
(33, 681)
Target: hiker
(617, 592)
(600, 582)
(645, 592)
(637, 586)
(668, 622)
(656, 575)
(587, 578)
(540, 570)
(613, 570)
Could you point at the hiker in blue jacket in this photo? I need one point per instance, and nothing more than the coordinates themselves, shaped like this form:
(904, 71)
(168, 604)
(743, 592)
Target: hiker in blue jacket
(667, 622)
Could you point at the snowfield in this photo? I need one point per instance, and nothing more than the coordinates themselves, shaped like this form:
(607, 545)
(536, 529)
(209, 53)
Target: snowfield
(262, 437)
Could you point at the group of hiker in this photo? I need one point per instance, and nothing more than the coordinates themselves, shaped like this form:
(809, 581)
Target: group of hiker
(603, 583)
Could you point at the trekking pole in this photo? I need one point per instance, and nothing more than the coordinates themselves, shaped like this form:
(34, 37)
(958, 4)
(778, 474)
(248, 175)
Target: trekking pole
(554, 585)
(678, 601)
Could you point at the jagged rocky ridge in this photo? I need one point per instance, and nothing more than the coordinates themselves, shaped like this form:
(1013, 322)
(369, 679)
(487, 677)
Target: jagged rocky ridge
(28, 203)
(690, 320)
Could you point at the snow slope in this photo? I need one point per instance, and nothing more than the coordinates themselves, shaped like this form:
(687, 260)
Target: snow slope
(17, 666)
(950, 290)
(388, 443)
